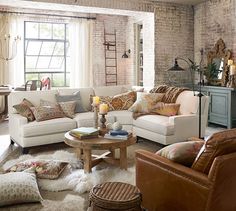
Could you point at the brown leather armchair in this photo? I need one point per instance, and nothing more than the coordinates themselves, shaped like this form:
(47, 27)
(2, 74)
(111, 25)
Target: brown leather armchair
(169, 186)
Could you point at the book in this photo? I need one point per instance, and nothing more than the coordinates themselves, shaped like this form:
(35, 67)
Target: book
(85, 131)
(118, 132)
(117, 137)
(79, 136)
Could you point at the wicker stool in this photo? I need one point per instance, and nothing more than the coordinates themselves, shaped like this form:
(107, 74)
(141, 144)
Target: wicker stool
(115, 196)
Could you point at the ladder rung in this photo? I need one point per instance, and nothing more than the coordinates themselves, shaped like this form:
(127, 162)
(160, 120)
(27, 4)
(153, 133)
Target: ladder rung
(110, 66)
(109, 34)
(109, 58)
(111, 82)
(111, 74)
(110, 50)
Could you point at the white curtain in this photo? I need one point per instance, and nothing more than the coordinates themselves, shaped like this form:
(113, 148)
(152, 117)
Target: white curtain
(12, 72)
(80, 51)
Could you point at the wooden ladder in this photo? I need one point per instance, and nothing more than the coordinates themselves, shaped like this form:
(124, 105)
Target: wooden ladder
(110, 58)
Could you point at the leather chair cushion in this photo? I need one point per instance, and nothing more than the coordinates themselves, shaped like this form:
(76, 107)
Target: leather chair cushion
(218, 144)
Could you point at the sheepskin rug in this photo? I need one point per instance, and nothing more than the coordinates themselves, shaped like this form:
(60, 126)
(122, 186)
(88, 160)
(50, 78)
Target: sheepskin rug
(73, 177)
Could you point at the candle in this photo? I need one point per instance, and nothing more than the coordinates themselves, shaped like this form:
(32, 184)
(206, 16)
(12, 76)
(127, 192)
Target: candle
(232, 69)
(230, 62)
(96, 100)
(103, 108)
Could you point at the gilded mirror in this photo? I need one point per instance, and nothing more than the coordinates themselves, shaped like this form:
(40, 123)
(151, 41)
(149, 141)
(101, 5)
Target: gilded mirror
(217, 70)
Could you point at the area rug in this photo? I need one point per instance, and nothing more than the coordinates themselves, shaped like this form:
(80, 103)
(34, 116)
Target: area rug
(73, 177)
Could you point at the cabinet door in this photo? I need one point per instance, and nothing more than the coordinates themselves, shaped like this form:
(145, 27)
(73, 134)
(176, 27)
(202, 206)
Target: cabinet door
(218, 111)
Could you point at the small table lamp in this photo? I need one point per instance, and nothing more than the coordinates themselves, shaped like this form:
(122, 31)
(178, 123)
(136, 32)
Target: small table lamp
(103, 109)
(95, 104)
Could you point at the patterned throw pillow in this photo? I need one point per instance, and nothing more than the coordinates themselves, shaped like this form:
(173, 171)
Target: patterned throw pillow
(24, 109)
(74, 97)
(18, 187)
(145, 102)
(47, 112)
(119, 102)
(166, 109)
(68, 108)
(45, 169)
(183, 153)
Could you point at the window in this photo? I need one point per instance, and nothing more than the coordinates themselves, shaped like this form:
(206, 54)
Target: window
(46, 45)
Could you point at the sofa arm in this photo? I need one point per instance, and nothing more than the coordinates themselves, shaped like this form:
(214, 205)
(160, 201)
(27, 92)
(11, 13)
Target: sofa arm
(185, 126)
(15, 123)
(166, 185)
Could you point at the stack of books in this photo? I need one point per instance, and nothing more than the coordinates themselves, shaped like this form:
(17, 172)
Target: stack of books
(84, 132)
(117, 134)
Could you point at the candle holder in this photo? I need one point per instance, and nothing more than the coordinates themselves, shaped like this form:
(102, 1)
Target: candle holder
(95, 115)
(103, 120)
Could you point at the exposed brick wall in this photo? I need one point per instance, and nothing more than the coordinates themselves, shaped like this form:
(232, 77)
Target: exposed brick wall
(213, 20)
(111, 23)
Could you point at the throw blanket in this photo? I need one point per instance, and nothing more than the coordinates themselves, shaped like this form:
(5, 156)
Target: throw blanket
(170, 96)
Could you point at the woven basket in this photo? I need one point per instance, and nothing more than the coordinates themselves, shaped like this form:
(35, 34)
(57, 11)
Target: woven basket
(115, 196)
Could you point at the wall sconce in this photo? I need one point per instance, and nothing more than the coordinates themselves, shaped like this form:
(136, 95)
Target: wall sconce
(125, 55)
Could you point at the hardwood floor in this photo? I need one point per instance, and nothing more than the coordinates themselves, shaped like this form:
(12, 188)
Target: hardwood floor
(6, 148)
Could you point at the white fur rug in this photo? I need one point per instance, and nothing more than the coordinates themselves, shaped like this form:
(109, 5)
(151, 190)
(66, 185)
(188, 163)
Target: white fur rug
(73, 177)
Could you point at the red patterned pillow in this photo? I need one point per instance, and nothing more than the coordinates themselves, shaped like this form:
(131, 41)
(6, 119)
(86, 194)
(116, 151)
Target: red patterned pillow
(182, 152)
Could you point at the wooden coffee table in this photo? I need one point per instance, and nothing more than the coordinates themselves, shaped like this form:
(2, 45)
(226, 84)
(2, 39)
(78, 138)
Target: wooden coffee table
(84, 150)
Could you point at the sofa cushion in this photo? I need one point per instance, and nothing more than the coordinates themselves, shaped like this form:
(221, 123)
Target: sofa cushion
(145, 102)
(86, 119)
(155, 123)
(84, 93)
(119, 102)
(183, 153)
(24, 109)
(217, 144)
(68, 108)
(48, 127)
(73, 97)
(166, 109)
(123, 117)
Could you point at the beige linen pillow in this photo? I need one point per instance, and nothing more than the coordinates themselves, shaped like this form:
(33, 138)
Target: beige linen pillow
(18, 187)
(145, 102)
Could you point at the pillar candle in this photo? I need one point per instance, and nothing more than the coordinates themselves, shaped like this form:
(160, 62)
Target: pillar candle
(103, 108)
(230, 62)
(232, 69)
(96, 100)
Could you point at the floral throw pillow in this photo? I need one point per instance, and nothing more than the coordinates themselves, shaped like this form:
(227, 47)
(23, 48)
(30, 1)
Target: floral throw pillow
(24, 109)
(145, 102)
(45, 169)
(119, 102)
(183, 153)
(68, 108)
(166, 109)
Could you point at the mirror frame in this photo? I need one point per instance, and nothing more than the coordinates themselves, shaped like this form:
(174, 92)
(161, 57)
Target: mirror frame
(220, 52)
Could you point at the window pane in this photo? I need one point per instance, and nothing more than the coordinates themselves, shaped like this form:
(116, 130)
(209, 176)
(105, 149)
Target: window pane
(58, 79)
(43, 62)
(33, 47)
(31, 30)
(57, 63)
(59, 49)
(30, 76)
(67, 79)
(47, 48)
(31, 62)
(45, 31)
(58, 31)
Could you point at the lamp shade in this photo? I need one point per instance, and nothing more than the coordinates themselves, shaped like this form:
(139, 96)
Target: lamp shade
(176, 67)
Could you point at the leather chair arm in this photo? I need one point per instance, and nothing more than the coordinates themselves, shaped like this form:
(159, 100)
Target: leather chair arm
(166, 185)
(195, 139)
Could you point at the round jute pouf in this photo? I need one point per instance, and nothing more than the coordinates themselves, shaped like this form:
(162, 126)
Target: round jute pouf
(115, 196)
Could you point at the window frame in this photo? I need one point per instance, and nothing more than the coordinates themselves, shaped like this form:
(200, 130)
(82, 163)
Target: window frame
(65, 42)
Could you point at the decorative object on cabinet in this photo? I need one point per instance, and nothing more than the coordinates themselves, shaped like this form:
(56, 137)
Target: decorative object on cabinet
(232, 76)
(222, 105)
(218, 74)
(192, 68)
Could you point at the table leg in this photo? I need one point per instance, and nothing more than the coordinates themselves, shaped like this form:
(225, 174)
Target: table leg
(112, 153)
(123, 158)
(87, 161)
(79, 153)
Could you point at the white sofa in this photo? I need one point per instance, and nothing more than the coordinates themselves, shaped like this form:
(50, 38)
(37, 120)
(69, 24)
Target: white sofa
(162, 129)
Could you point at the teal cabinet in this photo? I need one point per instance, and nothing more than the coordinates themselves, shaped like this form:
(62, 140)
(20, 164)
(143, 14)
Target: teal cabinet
(222, 107)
